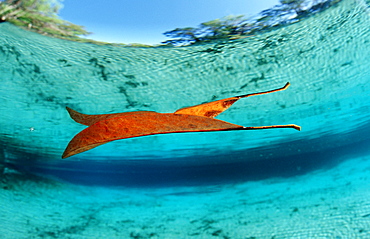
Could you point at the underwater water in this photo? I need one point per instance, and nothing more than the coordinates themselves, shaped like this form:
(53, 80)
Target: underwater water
(277, 183)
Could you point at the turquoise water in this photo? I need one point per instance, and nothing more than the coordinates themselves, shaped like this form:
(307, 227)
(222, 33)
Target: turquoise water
(277, 183)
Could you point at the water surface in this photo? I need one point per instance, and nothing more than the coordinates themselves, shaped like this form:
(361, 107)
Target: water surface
(199, 185)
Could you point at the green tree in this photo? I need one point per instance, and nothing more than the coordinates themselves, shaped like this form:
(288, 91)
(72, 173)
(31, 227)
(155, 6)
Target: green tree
(223, 28)
(40, 16)
(182, 36)
(231, 27)
(293, 4)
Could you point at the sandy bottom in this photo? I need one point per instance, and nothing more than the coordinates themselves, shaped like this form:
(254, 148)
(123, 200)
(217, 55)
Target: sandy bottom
(331, 203)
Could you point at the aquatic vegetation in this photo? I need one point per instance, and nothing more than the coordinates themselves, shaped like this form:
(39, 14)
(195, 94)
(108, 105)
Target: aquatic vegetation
(199, 118)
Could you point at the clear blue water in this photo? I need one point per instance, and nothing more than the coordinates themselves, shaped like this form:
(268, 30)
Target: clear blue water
(193, 185)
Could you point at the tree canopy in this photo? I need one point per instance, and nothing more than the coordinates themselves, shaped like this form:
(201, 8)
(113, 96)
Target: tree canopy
(40, 16)
(231, 27)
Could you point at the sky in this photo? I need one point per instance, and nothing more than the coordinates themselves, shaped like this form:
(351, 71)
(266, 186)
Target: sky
(145, 21)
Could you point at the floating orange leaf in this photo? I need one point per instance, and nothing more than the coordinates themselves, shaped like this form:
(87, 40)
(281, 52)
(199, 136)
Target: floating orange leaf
(214, 108)
(109, 127)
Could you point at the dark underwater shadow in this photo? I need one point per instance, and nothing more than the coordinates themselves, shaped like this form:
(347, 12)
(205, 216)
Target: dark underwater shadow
(160, 174)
